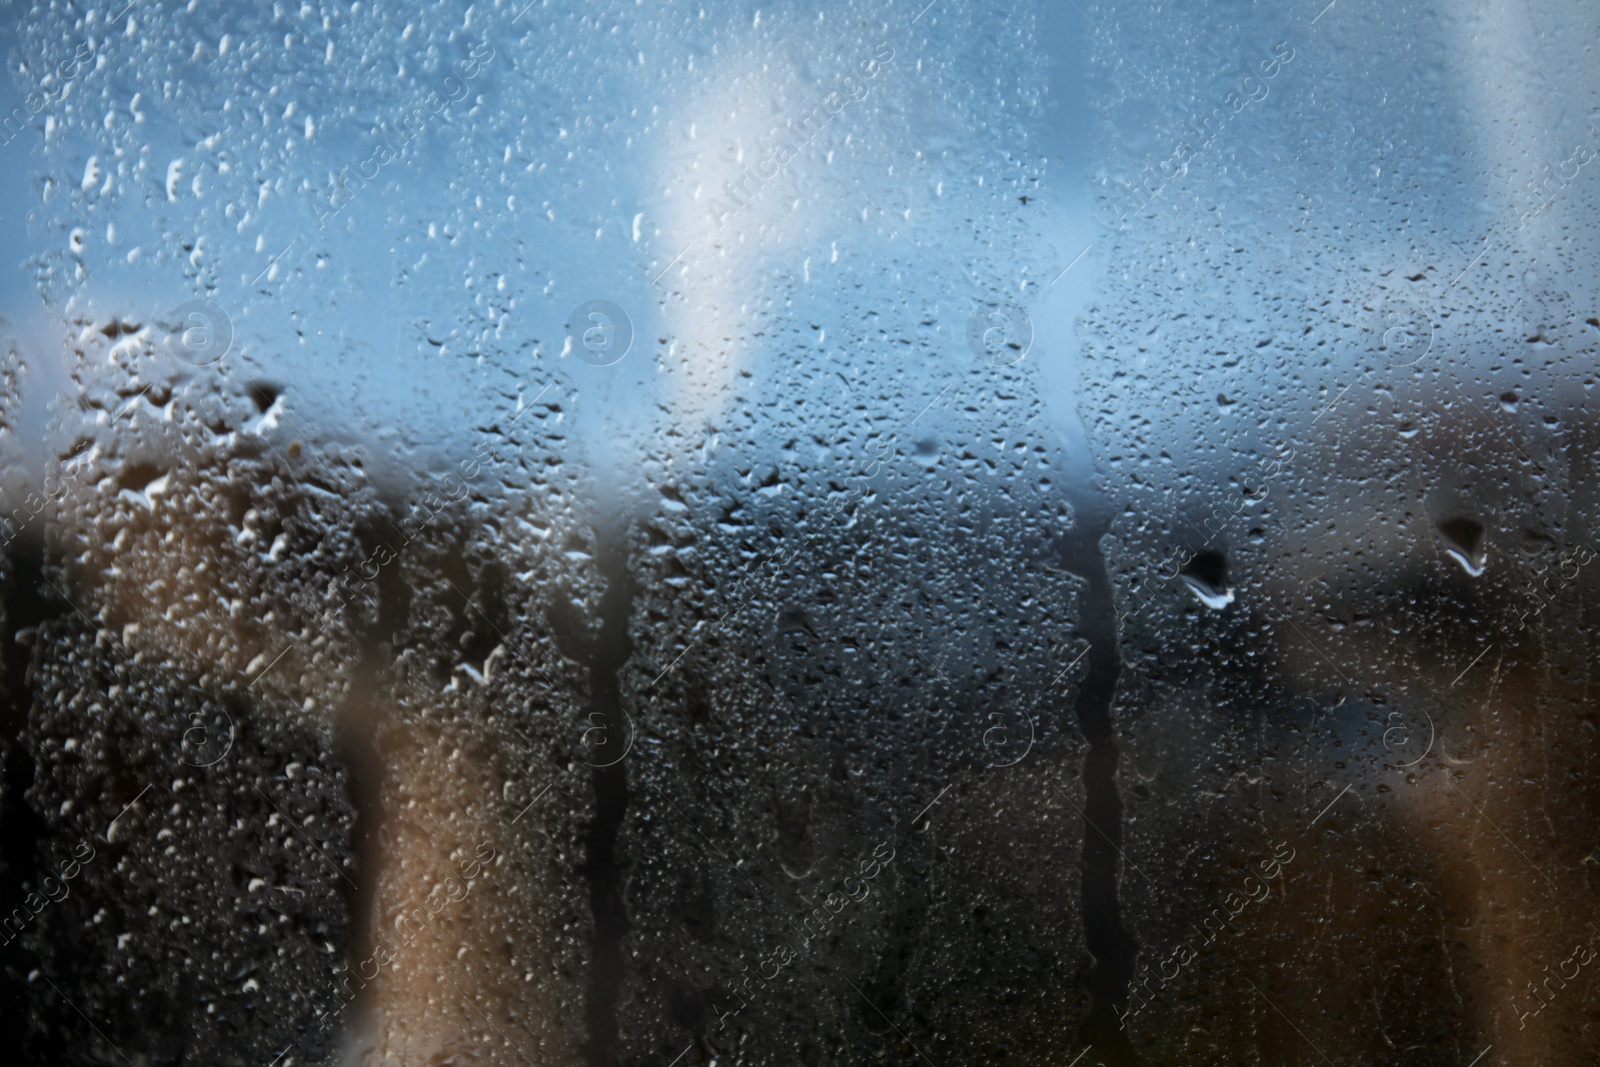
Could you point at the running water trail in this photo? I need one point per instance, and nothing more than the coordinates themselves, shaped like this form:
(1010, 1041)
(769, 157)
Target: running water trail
(1107, 939)
(609, 654)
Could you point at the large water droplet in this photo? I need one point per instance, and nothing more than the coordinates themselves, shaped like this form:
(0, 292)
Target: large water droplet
(1207, 576)
(1464, 541)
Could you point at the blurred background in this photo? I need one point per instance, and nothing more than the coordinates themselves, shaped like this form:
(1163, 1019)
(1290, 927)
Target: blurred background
(664, 533)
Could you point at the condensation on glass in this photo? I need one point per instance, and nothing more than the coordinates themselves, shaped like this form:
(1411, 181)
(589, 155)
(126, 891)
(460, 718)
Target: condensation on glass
(663, 533)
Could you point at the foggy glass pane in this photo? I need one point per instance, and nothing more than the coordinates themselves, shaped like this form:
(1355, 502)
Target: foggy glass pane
(662, 533)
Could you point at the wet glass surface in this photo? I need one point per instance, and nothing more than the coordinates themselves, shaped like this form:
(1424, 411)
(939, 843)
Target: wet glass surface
(626, 534)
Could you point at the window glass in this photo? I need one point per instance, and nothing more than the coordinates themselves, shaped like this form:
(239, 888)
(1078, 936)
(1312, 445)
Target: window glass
(681, 533)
